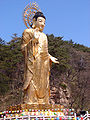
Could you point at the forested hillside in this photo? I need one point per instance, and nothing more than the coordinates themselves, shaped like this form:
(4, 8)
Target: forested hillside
(69, 80)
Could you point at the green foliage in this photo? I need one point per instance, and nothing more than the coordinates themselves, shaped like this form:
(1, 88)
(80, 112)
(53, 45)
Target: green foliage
(10, 56)
(59, 49)
(81, 48)
(64, 86)
(4, 87)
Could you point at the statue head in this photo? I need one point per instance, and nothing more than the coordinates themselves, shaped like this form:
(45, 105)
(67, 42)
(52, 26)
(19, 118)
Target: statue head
(38, 21)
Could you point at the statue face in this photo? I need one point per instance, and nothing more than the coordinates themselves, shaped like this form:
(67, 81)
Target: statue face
(40, 23)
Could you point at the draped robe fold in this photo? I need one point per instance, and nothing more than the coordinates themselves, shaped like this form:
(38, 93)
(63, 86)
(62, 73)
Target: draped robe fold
(37, 68)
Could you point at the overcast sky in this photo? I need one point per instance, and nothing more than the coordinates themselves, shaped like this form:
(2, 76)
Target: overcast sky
(67, 18)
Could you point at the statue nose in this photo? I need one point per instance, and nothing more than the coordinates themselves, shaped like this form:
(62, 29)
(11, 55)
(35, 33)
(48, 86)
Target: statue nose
(43, 24)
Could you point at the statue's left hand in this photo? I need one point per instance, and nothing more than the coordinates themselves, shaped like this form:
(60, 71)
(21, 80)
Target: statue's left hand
(53, 59)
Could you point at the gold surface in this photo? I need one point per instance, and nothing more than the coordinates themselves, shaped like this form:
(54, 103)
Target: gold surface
(37, 64)
(29, 12)
(36, 75)
(36, 107)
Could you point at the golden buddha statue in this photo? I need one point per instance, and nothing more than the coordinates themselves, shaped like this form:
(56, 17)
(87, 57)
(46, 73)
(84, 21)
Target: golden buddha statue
(37, 62)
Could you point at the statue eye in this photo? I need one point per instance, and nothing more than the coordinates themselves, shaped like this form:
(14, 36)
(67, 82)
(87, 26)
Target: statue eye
(40, 20)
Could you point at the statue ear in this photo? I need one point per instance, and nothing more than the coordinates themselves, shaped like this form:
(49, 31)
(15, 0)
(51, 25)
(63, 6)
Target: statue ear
(34, 23)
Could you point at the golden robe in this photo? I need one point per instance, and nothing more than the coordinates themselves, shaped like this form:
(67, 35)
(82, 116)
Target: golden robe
(37, 68)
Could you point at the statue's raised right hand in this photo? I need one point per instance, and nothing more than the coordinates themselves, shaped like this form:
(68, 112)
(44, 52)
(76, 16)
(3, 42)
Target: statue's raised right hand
(36, 33)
